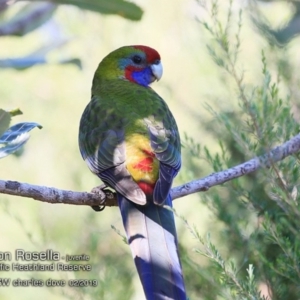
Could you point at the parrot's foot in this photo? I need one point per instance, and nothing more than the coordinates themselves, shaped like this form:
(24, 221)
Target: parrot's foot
(100, 191)
(105, 194)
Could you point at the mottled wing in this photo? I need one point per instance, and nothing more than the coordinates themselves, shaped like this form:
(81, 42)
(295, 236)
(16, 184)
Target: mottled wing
(165, 142)
(101, 143)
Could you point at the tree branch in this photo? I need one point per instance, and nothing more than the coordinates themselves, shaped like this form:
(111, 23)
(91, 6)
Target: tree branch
(108, 198)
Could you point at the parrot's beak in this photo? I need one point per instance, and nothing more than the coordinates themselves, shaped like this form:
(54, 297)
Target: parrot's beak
(157, 69)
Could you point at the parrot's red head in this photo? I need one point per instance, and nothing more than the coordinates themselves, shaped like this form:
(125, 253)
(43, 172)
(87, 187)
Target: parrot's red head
(138, 64)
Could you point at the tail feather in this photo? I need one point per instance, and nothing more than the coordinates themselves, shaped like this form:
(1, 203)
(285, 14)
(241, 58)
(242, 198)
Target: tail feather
(152, 238)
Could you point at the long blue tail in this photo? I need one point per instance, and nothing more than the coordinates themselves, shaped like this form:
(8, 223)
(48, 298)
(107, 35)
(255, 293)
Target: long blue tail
(151, 234)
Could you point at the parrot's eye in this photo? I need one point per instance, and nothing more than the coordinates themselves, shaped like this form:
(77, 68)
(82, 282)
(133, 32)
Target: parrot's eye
(137, 59)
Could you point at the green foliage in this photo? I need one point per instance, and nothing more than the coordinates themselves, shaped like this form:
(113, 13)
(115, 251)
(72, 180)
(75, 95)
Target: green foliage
(259, 212)
(31, 16)
(285, 32)
(125, 9)
(5, 118)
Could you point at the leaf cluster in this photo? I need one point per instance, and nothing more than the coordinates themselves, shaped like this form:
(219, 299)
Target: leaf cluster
(259, 212)
(21, 19)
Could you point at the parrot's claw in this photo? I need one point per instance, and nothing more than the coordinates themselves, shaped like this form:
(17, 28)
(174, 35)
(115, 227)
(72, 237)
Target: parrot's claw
(109, 197)
(98, 207)
(100, 190)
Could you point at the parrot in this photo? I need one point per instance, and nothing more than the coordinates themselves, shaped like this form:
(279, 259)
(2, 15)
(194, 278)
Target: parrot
(129, 138)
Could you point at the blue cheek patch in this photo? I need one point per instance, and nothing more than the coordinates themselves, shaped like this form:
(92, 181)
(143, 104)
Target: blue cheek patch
(143, 77)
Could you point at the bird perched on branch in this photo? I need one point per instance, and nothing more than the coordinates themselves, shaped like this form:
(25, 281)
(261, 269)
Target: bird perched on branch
(129, 139)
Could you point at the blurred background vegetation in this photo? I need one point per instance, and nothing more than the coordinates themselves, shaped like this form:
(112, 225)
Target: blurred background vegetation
(231, 102)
